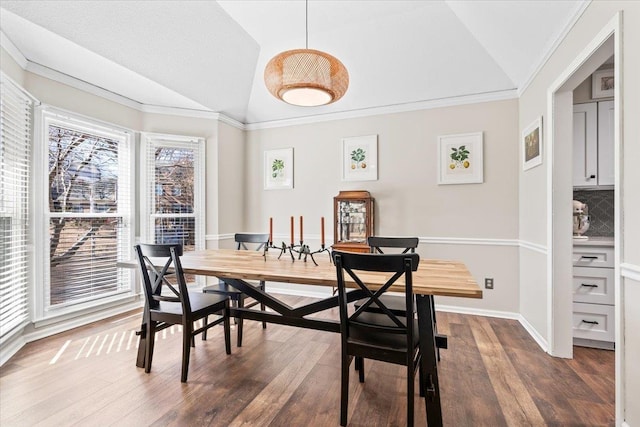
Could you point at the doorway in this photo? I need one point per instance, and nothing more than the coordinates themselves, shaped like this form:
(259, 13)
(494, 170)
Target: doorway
(560, 192)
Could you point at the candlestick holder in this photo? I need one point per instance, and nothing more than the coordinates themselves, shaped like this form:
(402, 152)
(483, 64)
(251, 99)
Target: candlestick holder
(282, 248)
(305, 251)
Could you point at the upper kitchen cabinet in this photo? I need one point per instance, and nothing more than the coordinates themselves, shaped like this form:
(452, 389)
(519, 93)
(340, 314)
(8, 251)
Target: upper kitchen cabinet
(593, 163)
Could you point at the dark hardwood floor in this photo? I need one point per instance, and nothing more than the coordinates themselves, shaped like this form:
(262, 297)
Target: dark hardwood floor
(493, 374)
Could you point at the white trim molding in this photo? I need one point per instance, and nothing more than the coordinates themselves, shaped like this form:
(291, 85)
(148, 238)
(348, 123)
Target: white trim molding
(630, 271)
(12, 50)
(535, 247)
(469, 241)
(218, 237)
(478, 312)
(542, 342)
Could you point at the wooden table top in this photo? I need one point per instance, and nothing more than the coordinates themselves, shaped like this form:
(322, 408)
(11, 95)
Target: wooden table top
(433, 277)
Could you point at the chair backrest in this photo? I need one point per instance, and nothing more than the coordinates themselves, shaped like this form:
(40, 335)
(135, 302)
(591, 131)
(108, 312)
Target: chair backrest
(398, 264)
(259, 239)
(170, 274)
(376, 243)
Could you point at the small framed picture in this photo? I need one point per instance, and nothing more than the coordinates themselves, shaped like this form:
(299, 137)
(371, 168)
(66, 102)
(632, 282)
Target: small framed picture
(360, 158)
(532, 145)
(460, 159)
(278, 169)
(602, 84)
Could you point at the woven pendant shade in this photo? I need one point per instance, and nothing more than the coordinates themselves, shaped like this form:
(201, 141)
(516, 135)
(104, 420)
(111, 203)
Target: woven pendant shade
(306, 77)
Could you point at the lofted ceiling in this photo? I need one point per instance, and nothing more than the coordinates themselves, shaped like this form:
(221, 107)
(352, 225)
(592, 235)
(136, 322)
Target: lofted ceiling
(210, 56)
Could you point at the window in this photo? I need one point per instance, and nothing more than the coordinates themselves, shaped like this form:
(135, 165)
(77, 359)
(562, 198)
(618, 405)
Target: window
(173, 190)
(88, 212)
(15, 157)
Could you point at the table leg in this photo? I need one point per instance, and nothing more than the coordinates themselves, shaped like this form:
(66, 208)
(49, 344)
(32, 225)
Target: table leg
(429, 364)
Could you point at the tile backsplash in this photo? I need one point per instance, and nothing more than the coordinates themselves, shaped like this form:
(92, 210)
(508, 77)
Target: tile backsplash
(601, 205)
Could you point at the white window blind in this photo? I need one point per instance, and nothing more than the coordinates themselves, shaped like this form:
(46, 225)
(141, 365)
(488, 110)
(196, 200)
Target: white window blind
(15, 127)
(173, 188)
(89, 211)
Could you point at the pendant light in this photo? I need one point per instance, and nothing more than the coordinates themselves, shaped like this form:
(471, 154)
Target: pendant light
(306, 77)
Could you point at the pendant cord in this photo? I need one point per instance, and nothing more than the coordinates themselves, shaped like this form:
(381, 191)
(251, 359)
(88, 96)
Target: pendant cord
(306, 24)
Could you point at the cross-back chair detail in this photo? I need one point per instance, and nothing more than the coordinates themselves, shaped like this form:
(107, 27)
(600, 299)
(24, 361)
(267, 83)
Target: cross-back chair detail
(179, 307)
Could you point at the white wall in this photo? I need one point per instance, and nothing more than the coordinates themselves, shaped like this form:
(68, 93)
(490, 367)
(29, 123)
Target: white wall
(408, 199)
(533, 187)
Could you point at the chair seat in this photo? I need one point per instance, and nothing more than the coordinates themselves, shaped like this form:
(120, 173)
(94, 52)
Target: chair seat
(394, 342)
(395, 303)
(199, 303)
(224, 288)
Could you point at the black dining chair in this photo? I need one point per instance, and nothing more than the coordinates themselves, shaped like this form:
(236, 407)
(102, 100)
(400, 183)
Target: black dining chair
(395, 303)
(243, 242)
(176, 305)
(383, 336)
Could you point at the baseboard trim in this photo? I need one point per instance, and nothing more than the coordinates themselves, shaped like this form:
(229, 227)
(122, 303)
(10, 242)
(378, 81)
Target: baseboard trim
(299, 290)
(11, 347)
(542, 342)
(477, 312)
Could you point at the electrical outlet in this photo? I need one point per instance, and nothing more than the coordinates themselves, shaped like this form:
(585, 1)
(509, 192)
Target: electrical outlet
(488, 283)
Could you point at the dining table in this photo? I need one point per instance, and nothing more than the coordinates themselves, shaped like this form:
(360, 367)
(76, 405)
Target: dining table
(433, 277)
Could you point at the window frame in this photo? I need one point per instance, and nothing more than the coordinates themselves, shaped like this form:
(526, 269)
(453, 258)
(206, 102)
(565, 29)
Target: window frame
(148, 196)
(46, 115)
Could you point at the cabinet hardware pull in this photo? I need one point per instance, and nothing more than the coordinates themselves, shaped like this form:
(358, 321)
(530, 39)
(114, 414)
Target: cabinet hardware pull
(592, 177)
(588, 257)
(588, 285)
(591, 322)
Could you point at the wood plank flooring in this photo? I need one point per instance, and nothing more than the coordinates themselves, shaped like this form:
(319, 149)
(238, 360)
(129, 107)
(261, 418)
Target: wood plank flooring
(493, 374)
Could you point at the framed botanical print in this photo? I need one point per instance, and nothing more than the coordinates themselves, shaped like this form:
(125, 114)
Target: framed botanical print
(460, 159)
(278, 169)
(360, 158)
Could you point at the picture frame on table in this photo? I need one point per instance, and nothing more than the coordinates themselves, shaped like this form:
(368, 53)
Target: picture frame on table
(532, 145)
(460, 158)
(360, 158)
(278, 169)
(602, 84)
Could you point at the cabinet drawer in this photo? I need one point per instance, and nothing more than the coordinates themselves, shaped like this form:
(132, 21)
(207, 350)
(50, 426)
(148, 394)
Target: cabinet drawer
(593, 285)
(594, 321)
(592, 256)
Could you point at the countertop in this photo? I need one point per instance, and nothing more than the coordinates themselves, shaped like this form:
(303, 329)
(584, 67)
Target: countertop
(594, 241)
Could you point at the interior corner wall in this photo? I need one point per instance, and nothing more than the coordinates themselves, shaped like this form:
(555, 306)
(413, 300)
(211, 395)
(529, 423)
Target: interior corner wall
(476, 223)
(533, 193)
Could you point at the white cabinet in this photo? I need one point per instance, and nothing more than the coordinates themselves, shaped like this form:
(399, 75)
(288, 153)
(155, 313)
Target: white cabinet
(593, 295)
(605, 143)
(593, 162)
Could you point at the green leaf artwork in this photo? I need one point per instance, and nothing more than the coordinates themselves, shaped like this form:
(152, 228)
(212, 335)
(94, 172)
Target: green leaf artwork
(358, 157)
(277, 169)
(459, 158)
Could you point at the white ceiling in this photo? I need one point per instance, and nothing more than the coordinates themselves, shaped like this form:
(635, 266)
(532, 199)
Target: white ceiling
(210, 56)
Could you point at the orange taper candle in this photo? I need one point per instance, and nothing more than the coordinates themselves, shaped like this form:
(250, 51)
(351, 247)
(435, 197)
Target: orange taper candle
(291, 231)
(301, 239)
(270, 230)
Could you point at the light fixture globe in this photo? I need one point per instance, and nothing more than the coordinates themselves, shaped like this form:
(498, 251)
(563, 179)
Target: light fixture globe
(306, 77)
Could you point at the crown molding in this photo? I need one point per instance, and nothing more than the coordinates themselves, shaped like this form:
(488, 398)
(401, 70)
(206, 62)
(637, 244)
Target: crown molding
(389, 109)
(12, 50)
(582, 6)
(73, 82)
